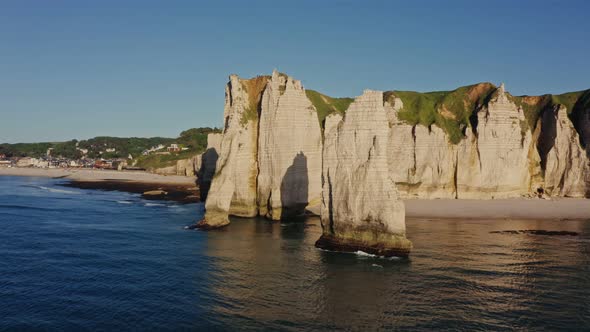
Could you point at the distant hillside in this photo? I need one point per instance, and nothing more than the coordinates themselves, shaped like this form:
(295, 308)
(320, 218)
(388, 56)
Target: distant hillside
(106, 147)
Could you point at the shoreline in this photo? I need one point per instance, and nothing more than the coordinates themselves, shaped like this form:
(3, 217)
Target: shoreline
(176, 188)
(184, 189)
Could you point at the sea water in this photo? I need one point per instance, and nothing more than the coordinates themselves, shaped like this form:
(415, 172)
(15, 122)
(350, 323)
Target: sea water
(74, 259)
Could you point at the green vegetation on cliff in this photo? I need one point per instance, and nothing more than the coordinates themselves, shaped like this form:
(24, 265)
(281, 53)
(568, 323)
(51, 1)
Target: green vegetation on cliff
(195, 140)
(533, 106)
(453, 111)
(449, 110)
(254, 87)
(72, 149)
(326, 105)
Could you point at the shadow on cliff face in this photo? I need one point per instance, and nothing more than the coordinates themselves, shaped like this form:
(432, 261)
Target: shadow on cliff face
(295, 189)
(205, 174)
(548, 134)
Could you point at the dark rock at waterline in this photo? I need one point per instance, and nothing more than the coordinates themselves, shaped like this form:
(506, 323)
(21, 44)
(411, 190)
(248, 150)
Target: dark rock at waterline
(334, 244)
(154, 194)
(204, 226)
(537, 232)
(153, 191)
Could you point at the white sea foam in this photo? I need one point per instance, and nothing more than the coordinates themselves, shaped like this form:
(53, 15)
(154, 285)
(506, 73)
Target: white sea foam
(365, 254)
(60, 191)
(153, 204)
(124, 202)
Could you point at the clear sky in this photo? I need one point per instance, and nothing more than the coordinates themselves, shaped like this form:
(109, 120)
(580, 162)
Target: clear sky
(78, 69)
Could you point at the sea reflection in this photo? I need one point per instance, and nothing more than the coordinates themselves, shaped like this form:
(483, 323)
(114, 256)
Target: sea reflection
(460, 276)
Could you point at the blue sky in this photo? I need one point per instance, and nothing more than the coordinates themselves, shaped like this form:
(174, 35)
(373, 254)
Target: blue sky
(78, 69)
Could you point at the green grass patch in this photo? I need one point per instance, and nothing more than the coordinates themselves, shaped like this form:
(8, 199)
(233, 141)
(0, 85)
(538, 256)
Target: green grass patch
(326, 105)
(449, 110)
(254, 87)
(164, 160)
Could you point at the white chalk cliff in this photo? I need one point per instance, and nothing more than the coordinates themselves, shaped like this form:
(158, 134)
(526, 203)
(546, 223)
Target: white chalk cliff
(479, 142)
(496, 160)
(270, 155)
(566, 165)
(361, 209)
(421, 160)
(289, 151)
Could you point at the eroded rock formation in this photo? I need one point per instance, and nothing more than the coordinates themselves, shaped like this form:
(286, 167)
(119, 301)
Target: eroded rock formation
(205, 164)
(497, 159)
(564, 162)
(476, 141)
(270, 157)
(502, 151)
(361, 209)
(289, 151)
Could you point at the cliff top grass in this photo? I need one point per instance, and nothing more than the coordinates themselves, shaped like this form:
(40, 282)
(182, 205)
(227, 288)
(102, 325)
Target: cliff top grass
(254, 87)
(533, 106)
(326, 105)
(449, 110)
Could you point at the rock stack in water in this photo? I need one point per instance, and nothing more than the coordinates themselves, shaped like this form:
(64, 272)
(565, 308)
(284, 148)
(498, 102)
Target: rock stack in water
(477, 141)
(361, 209)
(270, 158)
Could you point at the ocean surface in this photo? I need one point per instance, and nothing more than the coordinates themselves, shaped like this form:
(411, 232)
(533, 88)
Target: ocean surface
(80, 260)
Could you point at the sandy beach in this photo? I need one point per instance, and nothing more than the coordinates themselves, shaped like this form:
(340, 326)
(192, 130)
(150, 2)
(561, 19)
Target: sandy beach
(183, 188)
(515, 208)
(153, 186)
(77, 174)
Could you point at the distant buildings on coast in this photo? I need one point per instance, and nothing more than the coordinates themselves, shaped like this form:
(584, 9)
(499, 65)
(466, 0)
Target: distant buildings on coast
(49, 161)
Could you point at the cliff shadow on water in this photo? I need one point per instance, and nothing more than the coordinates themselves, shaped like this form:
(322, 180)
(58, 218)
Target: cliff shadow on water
(295, 189)
(205, 174)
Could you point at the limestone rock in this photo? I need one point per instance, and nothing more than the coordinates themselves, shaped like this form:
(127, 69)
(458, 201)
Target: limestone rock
(421, 160)
(269, 161)
(497, 159)
(565, 163)
(361, 209)
(206, 162)
(233, 188)
(289, 151)
(185, 167)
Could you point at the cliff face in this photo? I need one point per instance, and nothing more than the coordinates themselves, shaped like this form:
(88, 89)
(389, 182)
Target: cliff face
(361, 209)
(270, 158)
(289, 151)
(205, 164)
(233, 188)
(502, 150)
(476, 141)
(565, 164)
(421, 160)
(497, 158)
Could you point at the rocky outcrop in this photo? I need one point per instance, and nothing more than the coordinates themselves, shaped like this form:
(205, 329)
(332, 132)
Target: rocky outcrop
(421, 160)
(497, 158)
(233, 188)
(564, 162)
(289, 151)
(205, 164)
(270, 156)
(361, 209)
(502, 152)
(473, 142)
